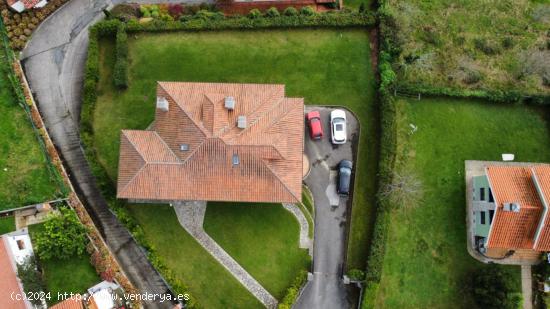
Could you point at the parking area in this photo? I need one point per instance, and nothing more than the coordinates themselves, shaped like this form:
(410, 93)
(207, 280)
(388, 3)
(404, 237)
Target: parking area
(327, 290)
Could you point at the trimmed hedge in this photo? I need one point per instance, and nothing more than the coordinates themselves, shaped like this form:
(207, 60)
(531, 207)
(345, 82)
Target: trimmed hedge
(120, 74)
(329, 19)
(293, 290)
(388, 51)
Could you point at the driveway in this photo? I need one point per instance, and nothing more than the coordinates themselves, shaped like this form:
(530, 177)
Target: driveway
(327, 290)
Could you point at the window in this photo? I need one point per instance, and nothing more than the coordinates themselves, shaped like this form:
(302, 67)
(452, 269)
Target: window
(481, 194)
(235, 159)
(491, 198)
(491, 214)
(482, 217)
(339, 127)
(184, 147)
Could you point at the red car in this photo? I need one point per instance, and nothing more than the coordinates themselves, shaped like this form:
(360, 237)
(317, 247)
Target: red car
(315, 127)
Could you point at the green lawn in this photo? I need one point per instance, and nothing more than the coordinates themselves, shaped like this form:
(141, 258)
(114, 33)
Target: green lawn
(7, 225)
(208, 281)
(275, 260)
(426, 263)
(323, 66)
(494, 44)
(24, 176)
(74, 275)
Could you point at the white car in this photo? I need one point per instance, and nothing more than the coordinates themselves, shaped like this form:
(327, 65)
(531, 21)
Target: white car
(338, 126)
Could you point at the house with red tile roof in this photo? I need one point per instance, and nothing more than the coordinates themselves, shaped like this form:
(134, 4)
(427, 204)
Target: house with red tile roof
(510, 205)
(13, 248)
(22, 5)
(216, 142)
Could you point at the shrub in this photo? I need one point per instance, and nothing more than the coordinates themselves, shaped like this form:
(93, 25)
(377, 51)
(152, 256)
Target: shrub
(124, 12)
(254, 14)
(272, 12)
(507, 42)
(356, 274)
(175, 10)
(486, 46)
(307, 11)
(472, 77)
(492, 288)
(292, 291)
(362, 7)
(63, 236)
(290, 11)
(120, 71)
(31, 279)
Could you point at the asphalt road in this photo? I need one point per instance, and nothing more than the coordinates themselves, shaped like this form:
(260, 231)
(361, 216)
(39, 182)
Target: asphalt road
(327, 290)
(53, 62)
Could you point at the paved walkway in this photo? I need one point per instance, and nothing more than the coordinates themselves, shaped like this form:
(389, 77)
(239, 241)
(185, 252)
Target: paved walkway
(527, 286)
(305, 241)
(191, 217)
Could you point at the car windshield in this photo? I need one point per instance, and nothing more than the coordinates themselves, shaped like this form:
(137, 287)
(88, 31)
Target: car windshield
(339, 127)
(315, 119)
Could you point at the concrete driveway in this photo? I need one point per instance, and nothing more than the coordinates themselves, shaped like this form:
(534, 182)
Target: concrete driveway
(327, 290)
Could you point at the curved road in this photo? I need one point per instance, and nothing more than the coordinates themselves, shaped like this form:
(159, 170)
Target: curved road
(54, 62)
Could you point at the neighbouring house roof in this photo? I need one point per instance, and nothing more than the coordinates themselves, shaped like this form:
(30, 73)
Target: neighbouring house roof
(9, 283)
(221, 162)
(74, 302)
(27, 4)
(528, 186)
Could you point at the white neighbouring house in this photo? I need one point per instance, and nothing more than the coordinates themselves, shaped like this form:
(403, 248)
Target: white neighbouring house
(22, 5)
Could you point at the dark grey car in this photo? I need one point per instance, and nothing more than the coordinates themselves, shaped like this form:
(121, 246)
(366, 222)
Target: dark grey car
(344, 177)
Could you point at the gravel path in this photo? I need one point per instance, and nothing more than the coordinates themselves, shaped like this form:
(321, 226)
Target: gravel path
(191, 217)
(305, 241)
(527, 286)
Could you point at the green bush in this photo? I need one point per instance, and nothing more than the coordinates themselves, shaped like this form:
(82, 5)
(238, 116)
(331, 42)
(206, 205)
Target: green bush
(472, 77)
(290, 11)
(120, 71)
(293, 290)
(356, 274)
(254, 13)
(63, 236)
(272, 12)
(492, 288)
(217, 21)
(31, 279)
(307, 11)
(486, 46)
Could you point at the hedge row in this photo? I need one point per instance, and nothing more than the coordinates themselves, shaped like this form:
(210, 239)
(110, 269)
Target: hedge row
(293, 290)
(120, 73)
(388, 125)
(110, 28)
(510, 96)
(329, 19)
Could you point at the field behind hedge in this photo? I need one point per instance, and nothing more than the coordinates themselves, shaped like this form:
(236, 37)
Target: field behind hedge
(496, 44)
(426, 264)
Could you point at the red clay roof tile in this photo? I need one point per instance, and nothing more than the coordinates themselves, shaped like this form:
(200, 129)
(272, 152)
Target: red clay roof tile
(153, 167)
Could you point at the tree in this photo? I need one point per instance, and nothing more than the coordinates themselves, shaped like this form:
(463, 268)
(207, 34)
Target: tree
(405, 189)
(63, 236)
(31, 279)
(492, 288)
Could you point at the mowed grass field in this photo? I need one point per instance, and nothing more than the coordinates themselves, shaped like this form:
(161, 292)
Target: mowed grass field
(494, 44)
(426, 263)
(326, 67)
(323, 66)
(264, 238)
(24, 175)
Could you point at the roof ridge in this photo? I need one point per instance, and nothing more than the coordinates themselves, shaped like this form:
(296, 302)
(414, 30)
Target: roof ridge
(199, 126)
(165, 144)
